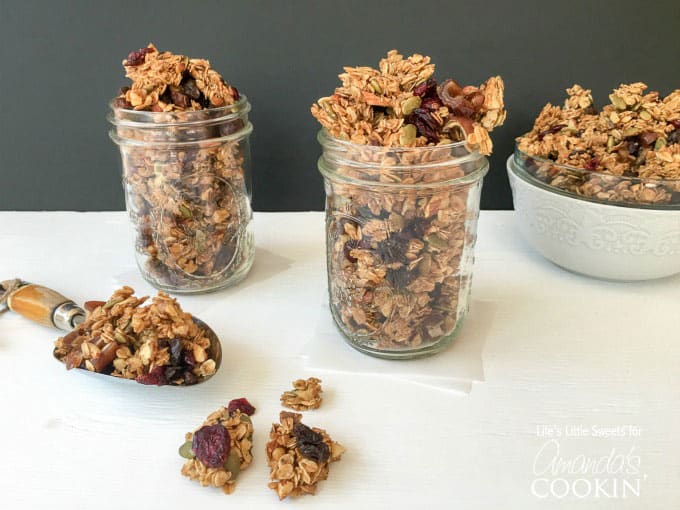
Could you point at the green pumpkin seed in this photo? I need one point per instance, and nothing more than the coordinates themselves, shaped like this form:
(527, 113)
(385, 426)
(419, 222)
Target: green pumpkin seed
(185, 211)
(410, 104)
(408, 134)
(630, 132)
(659, 144)
(610, 142)
(186, 450)
(245, 418)
(120, 337)
(111, 303)
(645, 115)
(436, 241)
(233, 464)
(376, 86)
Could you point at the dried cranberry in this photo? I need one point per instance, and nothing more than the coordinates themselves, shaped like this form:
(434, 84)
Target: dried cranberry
(235, 92)
(138, 57)
(211, 444)
(310, 443)
(431, 103)
(426, 125)
(242, 405)
(676, 123)
(426, 89)
(155, 376)
(121, 102)
(592, 164)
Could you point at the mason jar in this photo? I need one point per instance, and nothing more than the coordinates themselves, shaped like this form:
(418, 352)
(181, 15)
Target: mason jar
(187, 181)
(401, 225)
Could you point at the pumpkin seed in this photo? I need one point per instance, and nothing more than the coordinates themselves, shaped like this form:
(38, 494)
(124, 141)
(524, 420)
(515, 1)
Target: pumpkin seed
(186, 450)
(185, 211)
(233, 464)
(410, 104)
(408, 134)
(659, 144)
(645, 115)
(376, 86)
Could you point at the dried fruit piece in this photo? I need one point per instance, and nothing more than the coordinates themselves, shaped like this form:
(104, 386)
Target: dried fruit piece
(294, 473)
(211, 445)
(305, 396)
(242, 405)
(224, 463)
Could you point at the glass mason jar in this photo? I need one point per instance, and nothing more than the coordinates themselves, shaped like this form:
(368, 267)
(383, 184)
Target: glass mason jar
(188, 191)
(401, 226)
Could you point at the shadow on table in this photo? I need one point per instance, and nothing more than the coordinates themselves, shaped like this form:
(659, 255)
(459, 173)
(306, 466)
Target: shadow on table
(267, 264)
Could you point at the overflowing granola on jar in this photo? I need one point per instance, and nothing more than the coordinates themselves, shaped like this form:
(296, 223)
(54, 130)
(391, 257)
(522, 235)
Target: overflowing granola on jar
(156, 344)
(399, 252)
(298, 456)
(635, 138)
(184, 165)
(305, 395)
(221, 448)
(400, 104)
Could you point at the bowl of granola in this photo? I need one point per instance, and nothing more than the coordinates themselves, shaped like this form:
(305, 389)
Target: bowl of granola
(598, 192)
(403, 161)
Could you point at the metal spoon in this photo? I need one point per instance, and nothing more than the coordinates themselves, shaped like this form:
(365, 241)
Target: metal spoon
(49, 308)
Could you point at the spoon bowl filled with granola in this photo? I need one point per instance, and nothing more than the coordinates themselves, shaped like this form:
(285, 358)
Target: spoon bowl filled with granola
(598, 192)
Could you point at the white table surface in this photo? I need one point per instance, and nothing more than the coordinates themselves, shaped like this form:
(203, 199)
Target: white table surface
(561, 351)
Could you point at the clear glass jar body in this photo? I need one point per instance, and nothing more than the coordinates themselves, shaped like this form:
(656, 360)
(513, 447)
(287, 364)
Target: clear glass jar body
(401, 226)
(187, 180)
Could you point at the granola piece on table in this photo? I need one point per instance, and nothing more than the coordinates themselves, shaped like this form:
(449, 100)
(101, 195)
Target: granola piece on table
(305, 395)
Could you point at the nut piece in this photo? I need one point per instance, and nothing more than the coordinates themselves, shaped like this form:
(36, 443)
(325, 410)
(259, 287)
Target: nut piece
(240, 431)
(292, 471)
(305, 396)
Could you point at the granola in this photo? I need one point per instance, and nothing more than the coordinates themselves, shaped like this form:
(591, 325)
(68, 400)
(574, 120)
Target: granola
(400, 220)
(305, 396)
(219, 450)
(154, 344)
(183, 133)
(299, 457)
(628, 152)
(401, 105)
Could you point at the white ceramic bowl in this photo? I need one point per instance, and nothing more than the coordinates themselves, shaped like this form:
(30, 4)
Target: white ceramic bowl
(602, 240)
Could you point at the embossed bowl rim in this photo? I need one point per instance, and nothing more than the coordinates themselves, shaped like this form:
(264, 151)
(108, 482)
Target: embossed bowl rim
(521, 172)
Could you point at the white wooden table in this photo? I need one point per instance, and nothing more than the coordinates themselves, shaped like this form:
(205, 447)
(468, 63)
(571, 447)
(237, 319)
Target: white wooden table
(566, 359)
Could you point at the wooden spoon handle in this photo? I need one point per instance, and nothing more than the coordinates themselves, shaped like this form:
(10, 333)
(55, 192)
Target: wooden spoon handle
(45, 306)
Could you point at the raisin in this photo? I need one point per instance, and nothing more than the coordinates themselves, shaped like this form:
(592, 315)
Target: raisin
(175, 351)
(676, 123)
(425, 123)
(551, 131)
(242, 405)
(121, 102)
(592, 164)
(398, 278)
(179, 99)
(311, 444)
(393, 249)
(235, 92)
(155, 376)
(211, 445)
(191, 89)
(674, 136)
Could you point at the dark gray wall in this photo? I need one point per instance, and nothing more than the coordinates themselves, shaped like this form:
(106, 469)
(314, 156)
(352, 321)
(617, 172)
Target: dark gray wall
(61, 63)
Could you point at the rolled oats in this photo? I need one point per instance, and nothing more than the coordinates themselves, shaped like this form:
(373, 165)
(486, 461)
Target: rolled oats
(299, 457)
(628, 152)
(239, 429)
(154, 344)
(305, 396)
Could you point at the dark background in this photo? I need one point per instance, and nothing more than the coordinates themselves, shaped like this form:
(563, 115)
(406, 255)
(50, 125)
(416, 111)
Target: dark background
(61, 64)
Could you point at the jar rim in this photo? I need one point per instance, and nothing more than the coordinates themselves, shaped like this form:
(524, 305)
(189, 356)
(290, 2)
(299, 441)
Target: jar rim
(168, 144)
(144, 119)
(324, 138)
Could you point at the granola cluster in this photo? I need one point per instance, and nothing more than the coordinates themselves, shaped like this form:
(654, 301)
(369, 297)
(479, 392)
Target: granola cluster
(154, 344)
(163, 82)
(400, 229)
(305, 395)
(629, 151)
(299, 457)
(185, 171)
(401, 105)
(219, 450)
